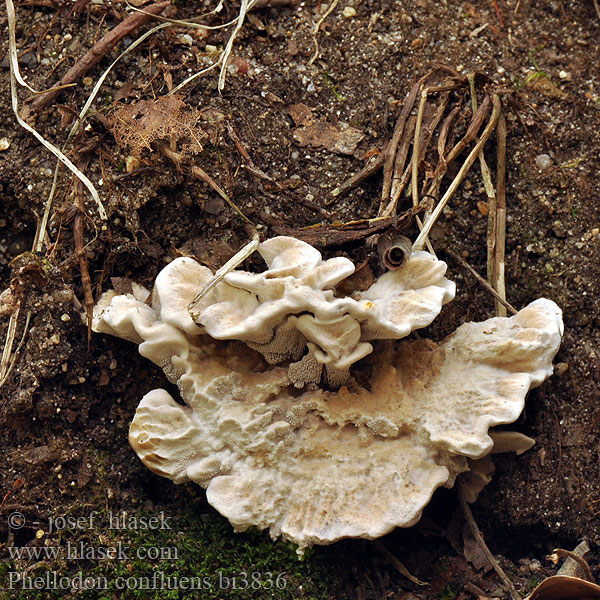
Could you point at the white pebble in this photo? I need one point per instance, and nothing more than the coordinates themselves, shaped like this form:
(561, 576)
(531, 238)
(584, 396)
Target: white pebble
(542, 161)
(349, 12)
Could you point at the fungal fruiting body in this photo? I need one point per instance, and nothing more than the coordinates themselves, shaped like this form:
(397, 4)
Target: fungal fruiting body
(310, 464)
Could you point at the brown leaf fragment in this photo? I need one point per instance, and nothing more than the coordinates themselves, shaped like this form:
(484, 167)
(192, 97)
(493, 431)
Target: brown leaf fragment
(359, 281)
(301, 114)
(472, 551)
(40, 455)
(121, 285)
(123, 92)
(540, 83)
(341, 140)
(84, 473)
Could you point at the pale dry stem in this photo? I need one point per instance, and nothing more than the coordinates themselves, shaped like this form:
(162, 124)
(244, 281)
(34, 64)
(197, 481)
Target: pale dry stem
(497, 109)
(316, 30)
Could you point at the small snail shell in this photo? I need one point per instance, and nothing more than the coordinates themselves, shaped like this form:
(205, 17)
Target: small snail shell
(393, 250)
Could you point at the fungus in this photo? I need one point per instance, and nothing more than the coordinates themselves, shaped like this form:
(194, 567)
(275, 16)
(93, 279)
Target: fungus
(290, 310)
(317, 465)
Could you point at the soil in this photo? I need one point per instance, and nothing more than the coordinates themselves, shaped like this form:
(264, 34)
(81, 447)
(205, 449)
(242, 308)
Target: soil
(66, 406)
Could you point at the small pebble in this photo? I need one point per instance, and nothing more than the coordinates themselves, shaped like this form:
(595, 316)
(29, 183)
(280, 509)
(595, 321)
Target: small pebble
(4, 144)
(132, 163)
(483, 208)
(349, 12)
(542, 161)
(561, 368)
(87, 81)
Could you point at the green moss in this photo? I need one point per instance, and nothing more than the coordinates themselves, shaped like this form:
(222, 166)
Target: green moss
(447, 594)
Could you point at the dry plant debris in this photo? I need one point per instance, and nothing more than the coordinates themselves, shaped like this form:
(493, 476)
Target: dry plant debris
(441, 118)
(140, 125)
(341, 139)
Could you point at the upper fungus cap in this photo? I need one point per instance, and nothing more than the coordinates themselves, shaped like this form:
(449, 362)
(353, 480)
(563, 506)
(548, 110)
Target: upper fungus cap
(253, 307)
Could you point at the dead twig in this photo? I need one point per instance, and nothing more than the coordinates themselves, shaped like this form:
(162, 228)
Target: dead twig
(322, 236)
(499, 256)
(297, 197)
(496, 229)
(260, 174)
(508, 584)
(80, 251)
(389, 154)
(575, 556)
(200, 173)
(483, 282)
(99, 50)
(5, 372)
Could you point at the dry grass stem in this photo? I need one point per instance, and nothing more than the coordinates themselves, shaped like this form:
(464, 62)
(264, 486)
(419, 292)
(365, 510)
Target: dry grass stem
(14, 70)
(8, 344)
(229, 266)
(316, 30)
(244, 7)
(497, 108)
(484, 283)
(399, 566)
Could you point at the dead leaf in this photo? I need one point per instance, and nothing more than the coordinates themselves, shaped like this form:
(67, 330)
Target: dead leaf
(540, 83)
(84, 473)
(359, 281)
(40, 455)
(472, 551)
(121, 285)
(301, 114)
(123, 92)
(136, 3)
(138, 125)
(341, 140)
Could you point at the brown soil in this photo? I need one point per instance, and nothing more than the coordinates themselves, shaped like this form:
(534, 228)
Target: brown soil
(65, 408)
